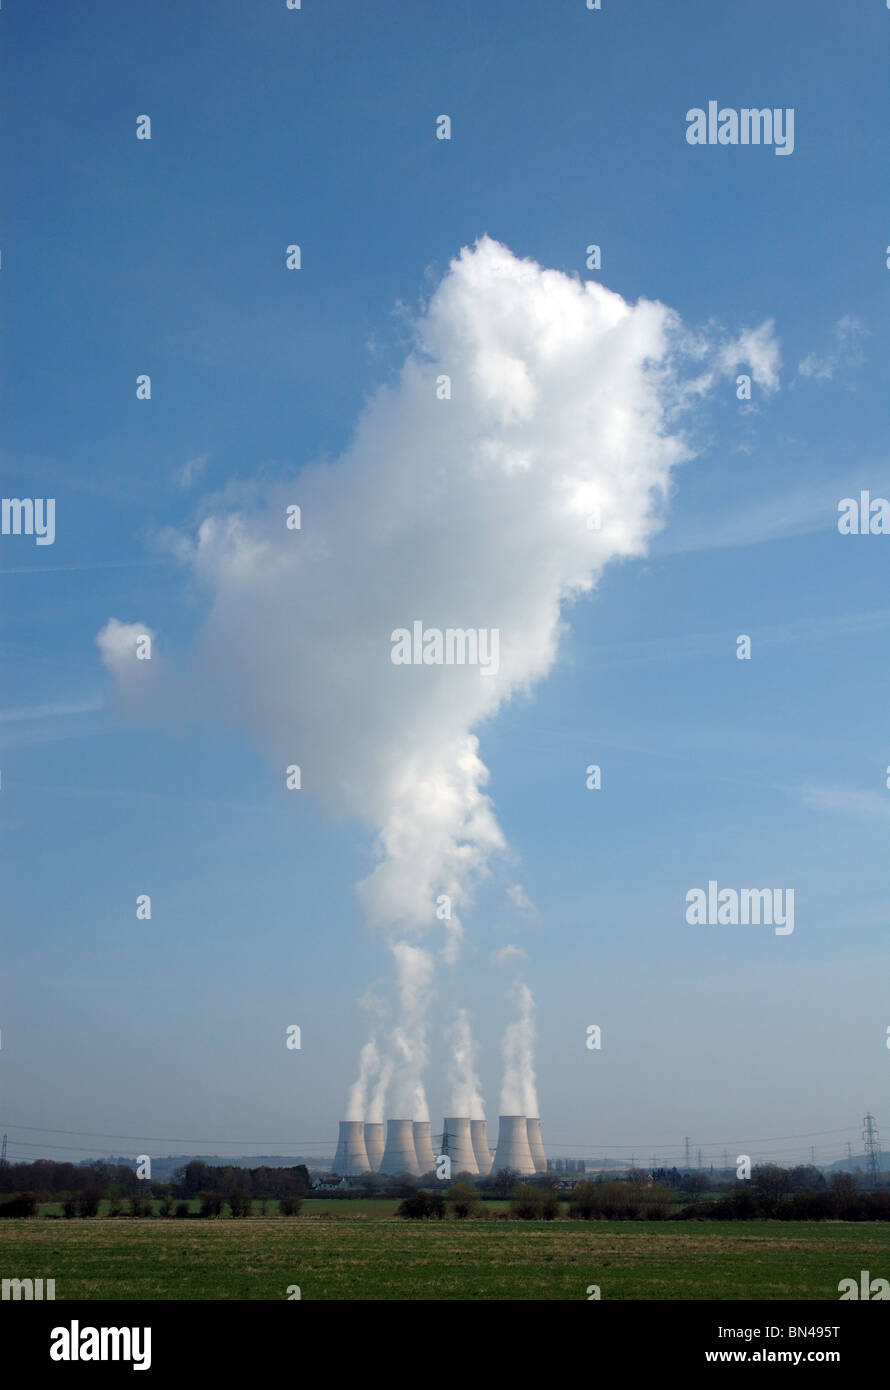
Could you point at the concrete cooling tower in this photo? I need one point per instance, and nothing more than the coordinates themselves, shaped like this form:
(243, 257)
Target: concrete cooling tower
(399, 1155)
(536, 1144)
(423, 1146)
(457, 1142)
(351, 1157)
(479, 1136)
(374, 1145)
(513, 1150)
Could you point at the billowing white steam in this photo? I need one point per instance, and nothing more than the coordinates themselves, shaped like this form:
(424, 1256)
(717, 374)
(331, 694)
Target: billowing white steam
(414, 975)
(490, 509)
(519, 1093)
(403, 1064)
(367, 1094)
(357, 1103)
(465, 1096)
(374, 1109)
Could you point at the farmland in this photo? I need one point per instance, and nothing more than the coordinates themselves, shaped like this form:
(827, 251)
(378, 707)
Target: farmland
(367, 1254)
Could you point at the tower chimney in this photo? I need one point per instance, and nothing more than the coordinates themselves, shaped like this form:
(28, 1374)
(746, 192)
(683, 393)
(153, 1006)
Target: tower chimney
(399, 1155)
(423, 1146)
(374, 1145)
(513, 1150)
(479, 1136)
(457, 1137)
(351, 1157)
(536, 1144)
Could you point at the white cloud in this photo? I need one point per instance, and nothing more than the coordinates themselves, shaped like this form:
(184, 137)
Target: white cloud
(507, 954)
(24, 725)
(191, 470)
(692, 646)
(519, 898)
(848, 801)
(777, 516)
(849, 333)
(58, 710)
(756, 351)
(467, 512)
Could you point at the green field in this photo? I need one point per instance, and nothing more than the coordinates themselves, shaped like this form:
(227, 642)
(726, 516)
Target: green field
(365, 1255)
(372, 1206)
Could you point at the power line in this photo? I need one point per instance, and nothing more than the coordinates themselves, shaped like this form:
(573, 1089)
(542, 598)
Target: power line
(872, 1148)
(31, 1152)
(154, 1139)
(711, 1144)
(272, 1146)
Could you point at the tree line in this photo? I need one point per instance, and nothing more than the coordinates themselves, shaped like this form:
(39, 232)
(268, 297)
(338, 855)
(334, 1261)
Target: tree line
(800, 1193)
(81, 1188)
(772, 1193)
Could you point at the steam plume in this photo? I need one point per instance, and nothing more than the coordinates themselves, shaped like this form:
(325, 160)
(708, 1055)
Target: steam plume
(519, 1093)
(466, 1092)
(491, 508)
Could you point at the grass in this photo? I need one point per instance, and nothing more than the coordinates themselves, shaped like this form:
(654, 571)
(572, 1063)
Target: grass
(361, 1207)
(368, 1255)
(316, 1206)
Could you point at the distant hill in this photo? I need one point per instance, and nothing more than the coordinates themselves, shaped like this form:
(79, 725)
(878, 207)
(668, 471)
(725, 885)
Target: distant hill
(857, 1164)
(166, 1165)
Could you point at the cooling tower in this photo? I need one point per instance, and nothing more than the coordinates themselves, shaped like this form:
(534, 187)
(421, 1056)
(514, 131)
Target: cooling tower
(400, 1156)
(536, 1144)
(513, 1150)
(423, 1146)
(479, 1136)
(374, 1145)
(457, 1137)
(351, 1157)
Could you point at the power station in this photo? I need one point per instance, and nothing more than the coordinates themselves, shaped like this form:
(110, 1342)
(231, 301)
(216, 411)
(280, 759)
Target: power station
(399, 1154)
(513, 1150)
(374, 1145)
(423, 1146)
(536, 1145)
(479, 1135)
(457, 1143)
(408, 1147)
(351, 1158)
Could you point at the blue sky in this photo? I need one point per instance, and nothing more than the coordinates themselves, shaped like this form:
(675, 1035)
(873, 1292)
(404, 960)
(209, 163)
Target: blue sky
(121, 256)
